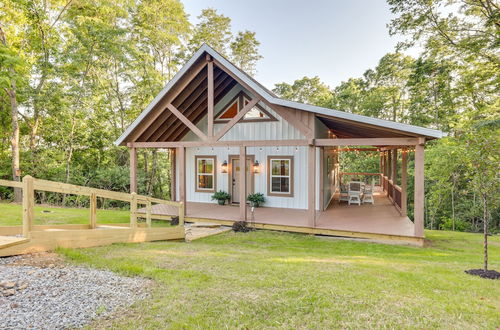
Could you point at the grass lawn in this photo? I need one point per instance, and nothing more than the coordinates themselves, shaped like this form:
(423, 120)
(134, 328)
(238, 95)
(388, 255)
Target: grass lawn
(267, 279)
(11, 215)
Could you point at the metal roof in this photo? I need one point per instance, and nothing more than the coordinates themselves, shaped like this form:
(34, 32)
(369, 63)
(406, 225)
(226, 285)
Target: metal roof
(272, 98)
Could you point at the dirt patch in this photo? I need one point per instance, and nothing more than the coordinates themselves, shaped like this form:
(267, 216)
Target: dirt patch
(40, 260)
(490, 274)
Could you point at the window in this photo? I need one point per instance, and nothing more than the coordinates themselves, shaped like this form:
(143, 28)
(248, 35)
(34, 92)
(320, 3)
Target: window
(205, 173)
(280, 176)
(257, 113)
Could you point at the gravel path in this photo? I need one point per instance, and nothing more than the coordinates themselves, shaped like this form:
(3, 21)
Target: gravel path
(55, 295)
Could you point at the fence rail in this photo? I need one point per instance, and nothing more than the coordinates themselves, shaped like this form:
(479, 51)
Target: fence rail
(30, 184)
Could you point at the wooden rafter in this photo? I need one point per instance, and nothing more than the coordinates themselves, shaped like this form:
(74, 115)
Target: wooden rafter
(210, 98)
(193, 72)
(187, 122)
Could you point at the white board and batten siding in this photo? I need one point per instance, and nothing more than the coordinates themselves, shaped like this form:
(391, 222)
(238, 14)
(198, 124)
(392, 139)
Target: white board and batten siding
(247, 131)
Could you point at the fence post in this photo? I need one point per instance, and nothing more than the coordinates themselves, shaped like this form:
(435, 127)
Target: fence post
(182, 212)
(28, 205)
(93, 211)
(148, 214)
(133, 210)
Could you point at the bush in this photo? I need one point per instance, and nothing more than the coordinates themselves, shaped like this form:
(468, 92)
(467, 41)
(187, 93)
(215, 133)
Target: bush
(174, 221)
(460, 225)
(241, 226)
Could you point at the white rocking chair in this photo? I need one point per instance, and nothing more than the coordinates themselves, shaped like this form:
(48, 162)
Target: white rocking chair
(344, 193)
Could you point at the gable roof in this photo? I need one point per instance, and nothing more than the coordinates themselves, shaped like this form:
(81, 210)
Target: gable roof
(272, 98)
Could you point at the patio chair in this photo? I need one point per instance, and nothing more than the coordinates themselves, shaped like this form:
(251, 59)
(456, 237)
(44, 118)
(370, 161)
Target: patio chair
(368, 194)
(344, 193)
(354, 193)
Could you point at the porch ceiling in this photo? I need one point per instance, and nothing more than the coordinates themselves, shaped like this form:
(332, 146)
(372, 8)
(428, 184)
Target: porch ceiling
(350, 129)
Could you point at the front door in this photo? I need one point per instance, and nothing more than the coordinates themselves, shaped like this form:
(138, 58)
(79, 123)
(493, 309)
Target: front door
(234, 179)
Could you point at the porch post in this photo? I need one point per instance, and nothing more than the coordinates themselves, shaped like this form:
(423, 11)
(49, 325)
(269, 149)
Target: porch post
(181, 153)
(418, 212)
(243, 183)
(394, 168)
(311, 187)
(389, 164)
(133, 170)
(173, 172)
(404, 183)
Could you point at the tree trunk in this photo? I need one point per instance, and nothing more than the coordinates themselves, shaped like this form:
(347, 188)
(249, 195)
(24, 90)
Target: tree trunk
(14, 142)
(485, 231)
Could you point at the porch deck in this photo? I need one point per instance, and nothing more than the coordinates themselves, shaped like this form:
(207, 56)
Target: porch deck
(380, 221)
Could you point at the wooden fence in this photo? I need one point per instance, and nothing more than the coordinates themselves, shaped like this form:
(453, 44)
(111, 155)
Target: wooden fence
(394, 192)
(30, 184)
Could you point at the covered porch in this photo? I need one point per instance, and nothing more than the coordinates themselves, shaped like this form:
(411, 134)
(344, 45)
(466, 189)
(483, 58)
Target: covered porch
(380, 221)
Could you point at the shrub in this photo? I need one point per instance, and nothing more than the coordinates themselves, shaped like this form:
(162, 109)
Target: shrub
(241, 226)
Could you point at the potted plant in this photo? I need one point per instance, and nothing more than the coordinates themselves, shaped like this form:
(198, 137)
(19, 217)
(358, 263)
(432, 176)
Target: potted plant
(221, 197)
(256, 199)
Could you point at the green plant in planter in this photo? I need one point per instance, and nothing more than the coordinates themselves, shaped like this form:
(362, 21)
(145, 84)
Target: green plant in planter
(221, 197)
(256, 199)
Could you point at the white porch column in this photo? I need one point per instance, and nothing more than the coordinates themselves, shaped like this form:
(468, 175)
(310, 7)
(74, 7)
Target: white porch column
(243, 183)
(311, 188)
(418, 212)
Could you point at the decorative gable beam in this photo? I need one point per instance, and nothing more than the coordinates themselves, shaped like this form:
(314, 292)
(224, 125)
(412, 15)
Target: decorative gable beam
(236, 118)
(210, 98)
(186, 122)
(293, 121)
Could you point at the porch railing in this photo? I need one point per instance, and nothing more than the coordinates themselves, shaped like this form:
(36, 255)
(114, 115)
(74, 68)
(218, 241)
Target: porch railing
(394, 192)
(30, 184)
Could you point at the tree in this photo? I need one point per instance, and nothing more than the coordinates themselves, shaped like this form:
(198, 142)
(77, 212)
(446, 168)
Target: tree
(305, 90)
(11, 71)
(245, 52)
(483, 154)
(212, 29)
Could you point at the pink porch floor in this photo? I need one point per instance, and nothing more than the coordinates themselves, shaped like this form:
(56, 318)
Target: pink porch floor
(380, 218)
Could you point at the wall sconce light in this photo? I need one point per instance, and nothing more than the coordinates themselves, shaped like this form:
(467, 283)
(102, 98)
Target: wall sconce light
(224, 167)
(256, 167)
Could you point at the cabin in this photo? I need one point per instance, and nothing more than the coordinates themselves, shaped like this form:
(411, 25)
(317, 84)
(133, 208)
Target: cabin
(225, 131)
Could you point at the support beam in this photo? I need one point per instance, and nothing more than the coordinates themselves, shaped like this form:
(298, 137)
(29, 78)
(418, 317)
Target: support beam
(366, 142)
(243, 184)
(133, 169)
(173, 172)
(181, 155)
(236, 118)
(404, 182)
(93, 211)
(210, 98)
(247, 143)
(394, 166)
(28, 205)
(418, 213)
(390, 165)
(311, 186)
(187, 122)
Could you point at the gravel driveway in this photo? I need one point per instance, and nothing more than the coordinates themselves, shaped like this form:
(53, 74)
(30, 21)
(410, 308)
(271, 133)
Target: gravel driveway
(43, 292)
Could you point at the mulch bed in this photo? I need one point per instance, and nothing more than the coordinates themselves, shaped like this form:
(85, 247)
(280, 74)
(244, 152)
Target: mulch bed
(490, 274)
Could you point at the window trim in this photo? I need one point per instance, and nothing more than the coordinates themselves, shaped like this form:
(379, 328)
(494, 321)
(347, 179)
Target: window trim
(239, 99)
(269, 176)
(204, 190)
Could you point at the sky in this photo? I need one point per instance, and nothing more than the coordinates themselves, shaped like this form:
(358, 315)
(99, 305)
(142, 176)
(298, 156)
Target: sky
(332, 39)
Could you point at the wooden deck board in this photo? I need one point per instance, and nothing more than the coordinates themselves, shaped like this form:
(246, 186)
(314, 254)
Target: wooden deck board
(381, 218)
